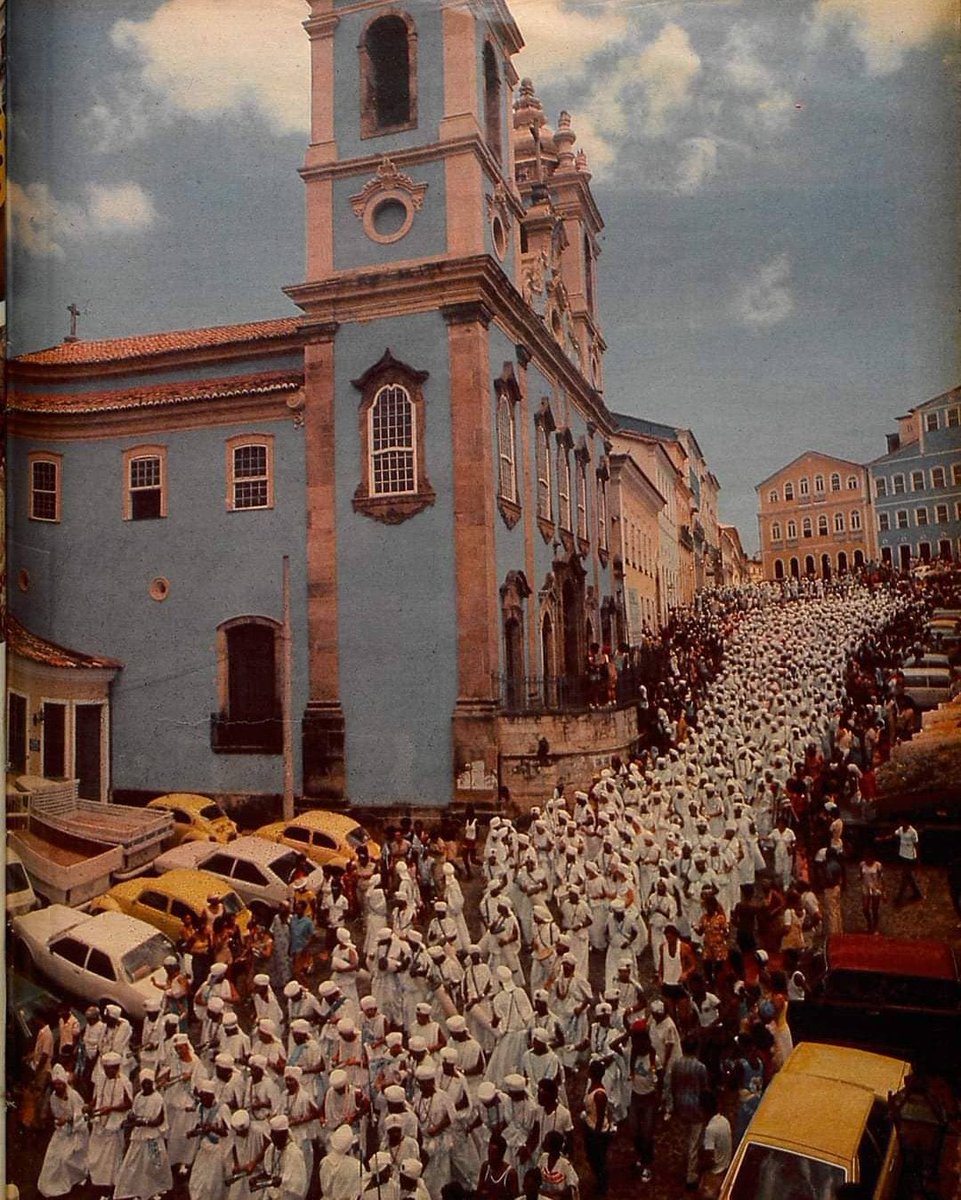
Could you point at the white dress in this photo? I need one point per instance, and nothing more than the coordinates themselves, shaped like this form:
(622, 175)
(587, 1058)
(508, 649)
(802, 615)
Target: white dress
(106, 1133)
(65, 1163)
(145, 1170)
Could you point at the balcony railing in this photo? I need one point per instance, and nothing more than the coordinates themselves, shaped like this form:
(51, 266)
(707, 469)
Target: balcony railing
(229, 735)
(533, 694)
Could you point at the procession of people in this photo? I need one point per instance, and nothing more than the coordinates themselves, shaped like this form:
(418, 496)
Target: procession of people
(624, 965)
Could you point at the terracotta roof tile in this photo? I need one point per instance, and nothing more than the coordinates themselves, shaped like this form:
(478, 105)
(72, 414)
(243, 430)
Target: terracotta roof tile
(143, 345)
(29, 645)
(155, 396)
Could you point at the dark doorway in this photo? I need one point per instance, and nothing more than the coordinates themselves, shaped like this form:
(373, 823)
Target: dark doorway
(54, 741)
(17, 734)
(89, 770)
(904, 557)
(514, 662)
(252, 673)
(826, 566)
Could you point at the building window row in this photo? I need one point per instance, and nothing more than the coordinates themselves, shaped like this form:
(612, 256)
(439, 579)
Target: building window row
(853, 522)
(945, 418)
(936, 479)
(921, 517)
(248, 471)
(804, 487)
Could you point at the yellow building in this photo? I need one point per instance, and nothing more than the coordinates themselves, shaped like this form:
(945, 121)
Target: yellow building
(815, 518)
(636, 507)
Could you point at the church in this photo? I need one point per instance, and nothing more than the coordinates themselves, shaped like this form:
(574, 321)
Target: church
(426, 440)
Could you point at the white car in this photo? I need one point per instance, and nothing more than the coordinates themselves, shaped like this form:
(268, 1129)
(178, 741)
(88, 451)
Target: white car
(110, 958)
(258, 870)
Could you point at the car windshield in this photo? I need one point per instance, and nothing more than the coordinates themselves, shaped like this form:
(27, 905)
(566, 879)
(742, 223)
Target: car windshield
(357, 837)
(17, 880)
(766, 1173)
(139, 962)
(210, 812)
(287, 865)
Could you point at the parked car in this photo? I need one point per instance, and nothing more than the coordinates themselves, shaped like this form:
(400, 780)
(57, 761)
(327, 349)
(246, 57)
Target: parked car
(258, 870)
(196, 818)
(329, 839)
(107, 958)
(21, 898)
(163, 901)
(822, 1121)
(899, 994)
(29, 1006)
(926, 687)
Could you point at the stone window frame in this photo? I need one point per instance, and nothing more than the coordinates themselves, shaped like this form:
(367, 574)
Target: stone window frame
(789, 490)
(839, 523)
(884, 522)
(603, 512)
(807, 527)
(941, 514)
(835, 481)
(223, 716)
(45, 458)
(792, 531)
(818, 484)
(881, 488)
(938, 478)
(368, 123)
(392, 508)
(582, 458)
(921, 515)
(804, 487)
(544, 426)
(773, 496)
(901, 518)
(493, 100)
(917, 481)
(823, 527)
(507, 398)
(776, 531)
(898, 484)
(853, 484)
(231, 446)
(932, 422)
(565, 500)
(854, 521)
(138, 453)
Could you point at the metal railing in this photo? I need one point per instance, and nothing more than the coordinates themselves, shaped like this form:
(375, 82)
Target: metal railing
(574, 693)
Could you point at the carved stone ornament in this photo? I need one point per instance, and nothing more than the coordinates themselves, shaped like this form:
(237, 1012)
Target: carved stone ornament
(388, 184)
(499, 204)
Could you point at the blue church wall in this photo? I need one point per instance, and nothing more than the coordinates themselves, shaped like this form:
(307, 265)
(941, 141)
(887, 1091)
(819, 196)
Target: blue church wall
(426, 238)
(346, 89)
(90, 575)
(397, 621)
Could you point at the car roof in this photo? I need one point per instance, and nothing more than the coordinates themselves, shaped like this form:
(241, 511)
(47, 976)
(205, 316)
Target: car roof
(255, 848)
(188, 800)
(327, 822)
(824, 1120)
(924, 958)
(845, 1064)
(113, 931)
(182, 882)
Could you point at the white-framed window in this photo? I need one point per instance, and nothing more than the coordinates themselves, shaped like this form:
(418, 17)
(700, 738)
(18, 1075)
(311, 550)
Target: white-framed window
(917, 481)
(880, 487)
(853, 484)
(856, 519)
(775, 531)
(393, 458)
(835, 482)
(564, 514)
(45, 472)
(542, 453)
(772, 496)
(931, 421)
(956, 474)
(957, 511)
(953, 417)
(803, 486)
(807, 529)
(884, 522)
(937, 477)
(839, 522)
(602, 518)
(250, 472)
(506, 450)
(582, 501)
(941, 514)
(822, 525)
(819, 483)
(921, 516)
(898, 482)
(789, 491)
(791, 530)
(145, 483)
(902, 518)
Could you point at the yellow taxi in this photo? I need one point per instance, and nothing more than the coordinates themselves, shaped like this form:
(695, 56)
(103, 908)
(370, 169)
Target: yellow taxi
(196, 818)
(162, 900)
(330, 839)
(822, 1121)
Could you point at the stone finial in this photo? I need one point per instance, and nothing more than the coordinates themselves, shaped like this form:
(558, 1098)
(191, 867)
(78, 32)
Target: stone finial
(582, 163)
(564, 140)
(528, 110)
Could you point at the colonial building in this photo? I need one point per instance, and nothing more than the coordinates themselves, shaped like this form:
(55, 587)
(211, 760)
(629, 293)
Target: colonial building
(917, 485)
(427, 442)
(735, 564)
(814, 518)
(636, 507)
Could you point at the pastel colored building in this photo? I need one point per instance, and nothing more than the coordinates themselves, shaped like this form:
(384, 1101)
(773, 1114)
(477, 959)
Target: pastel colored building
(917, 485)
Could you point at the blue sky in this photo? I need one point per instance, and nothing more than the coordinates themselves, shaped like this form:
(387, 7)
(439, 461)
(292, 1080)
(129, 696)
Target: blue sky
(779, 181)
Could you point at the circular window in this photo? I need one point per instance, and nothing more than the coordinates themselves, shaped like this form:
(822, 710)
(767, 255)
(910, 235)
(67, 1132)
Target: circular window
(159, 588)
(388, 218)
(499, 236)
(23, 580)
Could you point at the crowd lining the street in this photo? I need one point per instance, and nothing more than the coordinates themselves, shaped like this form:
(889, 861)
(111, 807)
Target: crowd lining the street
(632, 959)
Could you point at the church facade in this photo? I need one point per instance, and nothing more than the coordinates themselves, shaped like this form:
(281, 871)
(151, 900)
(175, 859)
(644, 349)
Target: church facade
(426, 440)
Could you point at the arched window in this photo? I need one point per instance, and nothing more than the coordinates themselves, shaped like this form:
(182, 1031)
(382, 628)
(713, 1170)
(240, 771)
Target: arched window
(582, 501)
(839, 522)
(822, 525)
(393, 468)
(807, 529)
(775, 531)
(842, 563)
(492, 101)
(809, 566)
(545, 508)
(804, 486)
(856, 519)
(772, 496)
(819, 483)
(795, 568)
(505, 447)
(852, 483)
(859, 558)
(388, 76)
(835, 482)
(564, 514)
(249, 721)
(778, 569)
(602, 515)
(789, 491)
(792, 530)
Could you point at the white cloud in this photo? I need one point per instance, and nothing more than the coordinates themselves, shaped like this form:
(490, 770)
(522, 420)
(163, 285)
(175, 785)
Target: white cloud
(205, 57)
(697, 163)
(884, 30)
(767, 104)
(666, 69)
(42, 223)
(765, 299)
(559, 41)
